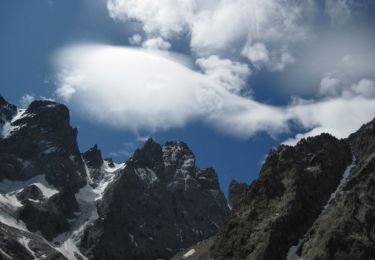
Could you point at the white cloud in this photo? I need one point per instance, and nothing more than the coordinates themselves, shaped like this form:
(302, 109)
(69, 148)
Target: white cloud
(230, 75)
(131, 89)
(144, 90)
(135, 39)
(364, 87)
(332, 87)
(338, 116)
(274, 35)
(156, 44)
(220, 26)
(281, 60)
(26, 100)
(329, 86)
(339, 11)
(136, 89)
(256, 53)
(163, 17)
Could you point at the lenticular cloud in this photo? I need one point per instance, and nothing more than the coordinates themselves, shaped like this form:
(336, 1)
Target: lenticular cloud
(138, 89)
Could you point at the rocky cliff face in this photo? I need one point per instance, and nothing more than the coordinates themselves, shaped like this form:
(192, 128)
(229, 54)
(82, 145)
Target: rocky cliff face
(56, 203)
(159, 204)
(38, 146)
(346, 229)
(277, 209)
(235, 192)
(313, 201)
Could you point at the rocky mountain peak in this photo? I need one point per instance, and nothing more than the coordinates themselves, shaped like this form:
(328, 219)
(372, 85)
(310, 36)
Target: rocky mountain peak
(160, 203)
(311, 201)
(150, 155)
(235, 192)
(94, 162)
(294, 184)
(363, 141)
(7, 111)
(177, 154)
(93, 157)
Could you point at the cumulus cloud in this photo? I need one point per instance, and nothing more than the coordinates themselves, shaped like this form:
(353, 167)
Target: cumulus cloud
(220, 26)
(136, 89)
(135, 39)
(156, 44)
(329, 86)
(364, 87)
(26, 100)
(256, 53)
(338, 116)
(228, 74)
(163, 17)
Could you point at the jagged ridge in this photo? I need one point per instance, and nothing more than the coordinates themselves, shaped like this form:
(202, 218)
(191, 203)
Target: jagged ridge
(55, 201)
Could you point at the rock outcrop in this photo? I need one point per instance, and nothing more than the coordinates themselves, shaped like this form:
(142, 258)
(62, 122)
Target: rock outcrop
(346, 229)
(22, 245)
(94, 162)
(235, 192)
(313, 201)
(277, 209)
(159, 204)
(55, 201)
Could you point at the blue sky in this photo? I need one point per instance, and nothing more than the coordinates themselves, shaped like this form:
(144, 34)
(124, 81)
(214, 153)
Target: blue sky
(231, 78)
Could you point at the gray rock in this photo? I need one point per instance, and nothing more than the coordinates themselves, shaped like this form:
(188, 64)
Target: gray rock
(346, 230)
(43, 143)
(31, 192)
(235, 192)
(49, 217)
(7, 111)
(12, 245)
(94, 161)
(279, 207)
(158, 205)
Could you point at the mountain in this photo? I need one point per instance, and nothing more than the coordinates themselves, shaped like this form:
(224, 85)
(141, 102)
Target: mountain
(235, 192)
(159, 204)
(59, 203)
(312, 201)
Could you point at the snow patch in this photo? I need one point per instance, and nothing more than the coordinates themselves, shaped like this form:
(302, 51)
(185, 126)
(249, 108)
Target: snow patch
(8, 128)
(50, 150)
(5, 254)
(8, 208)
(147, 175)
(344, 178)
(189, 253)
(170, 153)
(9, 203)
(8, 186)
(108, 169)
(87, 199)
(25, 242)
(292, 253)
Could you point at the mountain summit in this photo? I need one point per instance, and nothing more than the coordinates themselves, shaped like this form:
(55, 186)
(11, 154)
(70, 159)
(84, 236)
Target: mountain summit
(312, 201)
(59, 203)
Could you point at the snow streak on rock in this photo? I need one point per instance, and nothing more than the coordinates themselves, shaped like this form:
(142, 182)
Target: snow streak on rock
(87, 199)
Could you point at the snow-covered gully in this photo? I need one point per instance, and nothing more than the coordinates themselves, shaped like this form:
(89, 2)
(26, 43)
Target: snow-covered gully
(87, 199)
(294, 250)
